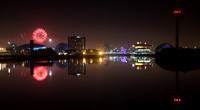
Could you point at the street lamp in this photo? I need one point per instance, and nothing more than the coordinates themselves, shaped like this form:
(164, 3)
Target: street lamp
(50, 40)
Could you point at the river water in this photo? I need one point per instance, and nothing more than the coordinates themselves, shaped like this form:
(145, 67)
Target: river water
(115, 82)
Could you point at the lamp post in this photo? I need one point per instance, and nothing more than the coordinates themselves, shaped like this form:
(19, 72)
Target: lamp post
(50, 40)
(177, 14)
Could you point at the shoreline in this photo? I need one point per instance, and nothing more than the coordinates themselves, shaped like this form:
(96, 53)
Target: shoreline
(57, 57)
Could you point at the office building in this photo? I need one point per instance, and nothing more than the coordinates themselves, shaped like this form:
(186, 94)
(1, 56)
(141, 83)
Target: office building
(76, 43)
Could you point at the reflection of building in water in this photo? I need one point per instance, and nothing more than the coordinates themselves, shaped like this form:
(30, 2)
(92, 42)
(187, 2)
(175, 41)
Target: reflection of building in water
(122, 59)
(62, 63)
(2, 66)
(177, 98)
(138, 62)
(8, 66)
(76, 67)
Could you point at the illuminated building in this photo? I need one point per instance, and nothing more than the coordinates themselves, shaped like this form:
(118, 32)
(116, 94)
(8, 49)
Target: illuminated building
(140, 49)
(3, 51)
(106, 48)
(61, 48)
(26, 47)
(92, 52)
(163, 46)
(76, 43)
(11, 48)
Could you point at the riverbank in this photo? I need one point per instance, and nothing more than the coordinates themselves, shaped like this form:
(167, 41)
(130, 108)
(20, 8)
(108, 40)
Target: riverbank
(57, 57)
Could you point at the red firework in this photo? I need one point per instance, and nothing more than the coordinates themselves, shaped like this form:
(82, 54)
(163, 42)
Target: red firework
(40, 73)
(39, 35)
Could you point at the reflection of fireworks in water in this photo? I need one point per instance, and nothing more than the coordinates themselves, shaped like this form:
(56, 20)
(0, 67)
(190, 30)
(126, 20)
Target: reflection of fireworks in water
(39, 35)
(40, 73)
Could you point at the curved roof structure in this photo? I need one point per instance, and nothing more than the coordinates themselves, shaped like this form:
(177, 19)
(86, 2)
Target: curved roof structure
(61, 47)
(163, 46)
(27, 46)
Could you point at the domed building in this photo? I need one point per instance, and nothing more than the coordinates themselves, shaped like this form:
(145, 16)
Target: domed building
(163, 46)
(61, 47)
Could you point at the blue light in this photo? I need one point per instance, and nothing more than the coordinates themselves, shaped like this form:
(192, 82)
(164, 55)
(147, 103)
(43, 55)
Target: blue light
(78, 74)
(133, 65)
(38, 48)
(123, 51)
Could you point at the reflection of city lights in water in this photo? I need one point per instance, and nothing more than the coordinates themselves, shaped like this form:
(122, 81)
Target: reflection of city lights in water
(9, 70)
(40, 73)
(123, 59)
(91, 60)
(84, 61)
(100, 60)
(78, 74)
(50, 73)
(13, 66)
(2, 66)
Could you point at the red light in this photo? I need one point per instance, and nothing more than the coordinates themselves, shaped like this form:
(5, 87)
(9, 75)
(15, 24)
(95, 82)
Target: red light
(177, 100)
(39, 35)
(40, 73)
(177, 11)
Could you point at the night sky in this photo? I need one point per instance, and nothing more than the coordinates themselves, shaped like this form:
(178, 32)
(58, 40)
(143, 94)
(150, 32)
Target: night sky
(118, 23)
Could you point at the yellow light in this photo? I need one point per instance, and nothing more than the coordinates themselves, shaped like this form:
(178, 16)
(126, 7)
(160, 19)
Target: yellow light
(84, 61)
(100, 53)
(84, 53)
(91, 51)
(65, 53)
(138, 64)
(100, 60)
(59, 53)
(91, 60)
(138, 46)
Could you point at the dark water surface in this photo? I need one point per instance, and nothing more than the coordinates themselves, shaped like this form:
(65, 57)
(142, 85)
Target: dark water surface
(101, 83)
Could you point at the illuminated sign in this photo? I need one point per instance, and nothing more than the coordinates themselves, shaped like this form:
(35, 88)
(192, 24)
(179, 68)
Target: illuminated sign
(38, 48)
(144, 50)
(138, 64)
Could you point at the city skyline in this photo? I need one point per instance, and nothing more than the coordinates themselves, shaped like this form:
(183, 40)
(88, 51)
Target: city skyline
(118, 23)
